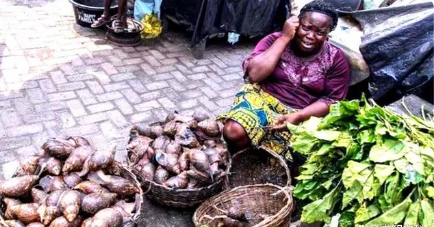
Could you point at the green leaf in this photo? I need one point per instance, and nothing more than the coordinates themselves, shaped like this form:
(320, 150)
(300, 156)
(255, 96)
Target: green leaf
(412, 214)
(304, 144)
(390, 150)
(366, 213)
(346, 219)
(339, 111)
(392, 216)
(328, 135)
(401, 165)
(366, 136)
(430, 191)
(355, 172)
(318, 156)
(392, 193)
(381, 172)
(413, 155)
(320, 210)
(354, 192)
(344, 140)
(428, 213)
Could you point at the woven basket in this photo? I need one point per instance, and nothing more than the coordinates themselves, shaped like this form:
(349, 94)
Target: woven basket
(181, 198)
(122, 171)
(247, 173)
(265, 205)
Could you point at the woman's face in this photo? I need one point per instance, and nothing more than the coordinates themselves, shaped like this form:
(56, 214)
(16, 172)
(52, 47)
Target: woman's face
(312, 32)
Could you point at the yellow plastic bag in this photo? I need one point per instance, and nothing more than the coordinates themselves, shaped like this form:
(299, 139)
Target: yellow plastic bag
(152, 27)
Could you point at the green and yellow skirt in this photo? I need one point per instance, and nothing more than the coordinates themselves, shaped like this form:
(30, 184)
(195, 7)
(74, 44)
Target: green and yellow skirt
(256, 111)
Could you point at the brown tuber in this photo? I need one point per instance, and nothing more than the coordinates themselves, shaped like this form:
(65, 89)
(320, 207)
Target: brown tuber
(69, 204)
(94, 202)
(17, 186)
(26, 213)
(161, 175)
(89, 187)
(58, 148)
(72, 179)
(178, 181)
(29, 167)
(38, 196)
(76, 160)
(100, 159)
(210, 127)
(14, 223)
(10, 203)
(54, 166)
(63, 222)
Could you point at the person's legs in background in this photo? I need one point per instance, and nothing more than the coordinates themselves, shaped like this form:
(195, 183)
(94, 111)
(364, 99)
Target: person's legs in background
(105, 17)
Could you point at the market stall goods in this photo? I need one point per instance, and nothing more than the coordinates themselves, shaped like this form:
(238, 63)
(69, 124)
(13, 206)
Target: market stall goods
(68, 183)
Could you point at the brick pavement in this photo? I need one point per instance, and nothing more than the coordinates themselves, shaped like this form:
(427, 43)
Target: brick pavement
(58, 79)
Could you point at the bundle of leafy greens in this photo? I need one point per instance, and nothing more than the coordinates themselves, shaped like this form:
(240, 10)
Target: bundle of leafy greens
(367, 164)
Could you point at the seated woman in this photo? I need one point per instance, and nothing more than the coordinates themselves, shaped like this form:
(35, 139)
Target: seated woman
(293, 75)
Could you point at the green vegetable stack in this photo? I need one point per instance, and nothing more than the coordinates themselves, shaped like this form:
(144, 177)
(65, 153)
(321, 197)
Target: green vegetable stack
(367, 164)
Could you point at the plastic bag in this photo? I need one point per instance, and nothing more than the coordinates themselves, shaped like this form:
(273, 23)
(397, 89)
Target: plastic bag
(151, 27)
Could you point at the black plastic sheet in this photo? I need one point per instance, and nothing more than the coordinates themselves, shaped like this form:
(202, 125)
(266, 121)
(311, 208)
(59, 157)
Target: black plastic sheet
(246, 17)
(398, 46)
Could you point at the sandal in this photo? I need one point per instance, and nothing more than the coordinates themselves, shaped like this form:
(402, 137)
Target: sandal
(118, 26)
(100, 22)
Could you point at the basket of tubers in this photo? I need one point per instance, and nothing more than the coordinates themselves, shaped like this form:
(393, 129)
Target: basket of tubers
(182, 161)
(260, 205)
(71, 185)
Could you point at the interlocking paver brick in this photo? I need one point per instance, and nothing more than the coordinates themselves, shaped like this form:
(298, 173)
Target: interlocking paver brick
(131, 95)
(76, 107)
(47, 85)
(109, 96)
(71, 86)
(157, 85)
(50, 106)
(86, 97)
(142, 117)
(95, 87)
(123, 76)
(66, 120)
(116, 86)
(124, 106)
(100, 107)
(117, 118)
(92, 118)
(36, 95)
(149, 105)
(59, 96)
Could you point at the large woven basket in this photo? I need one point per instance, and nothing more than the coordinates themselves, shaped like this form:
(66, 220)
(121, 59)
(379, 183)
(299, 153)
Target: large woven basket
(121, 171)
(265, 205)
(181, 198)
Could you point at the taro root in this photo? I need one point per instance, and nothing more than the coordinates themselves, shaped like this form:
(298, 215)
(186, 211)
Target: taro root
(210, 143)
(89, 187)
(78, 141)
(98, 160)
(189, 121)
(202, 177)
(51, 183)
(115, 184)
(69, 204)
(9, 203)
(200, 115)
(63, 222)
(87, 223)
(138, 148)
(108, 217)
(58, 148)
(168, 161)
(35, 224)
(72, 179)
(156, 131)
(141, 129)
(38, 196)
(228, 222)
(173, 148)
(184, 160)
(178, 181)
(210, 127)
(161, 143)
(170, 128)
(77, 158)
(54, 166)
(161, 175)
(29, 167)
(26, 213)
(14, 223)
(49, 211)
(94, 202)
(170, 117)
(199, 160)
(17, 186)
(186, 137)
(192, 183)
(145, 172)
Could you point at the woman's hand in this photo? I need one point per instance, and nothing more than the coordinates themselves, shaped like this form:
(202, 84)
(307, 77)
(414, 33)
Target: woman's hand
(293, 118)
(290, 27)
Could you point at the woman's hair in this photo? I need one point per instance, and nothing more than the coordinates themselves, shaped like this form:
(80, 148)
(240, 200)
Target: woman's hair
(321, 7)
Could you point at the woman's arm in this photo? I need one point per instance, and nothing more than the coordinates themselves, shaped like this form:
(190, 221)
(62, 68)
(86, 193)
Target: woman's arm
(262, 65)
(317, 109)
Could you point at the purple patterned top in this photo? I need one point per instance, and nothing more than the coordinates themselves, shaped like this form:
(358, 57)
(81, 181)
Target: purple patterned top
(298, 83)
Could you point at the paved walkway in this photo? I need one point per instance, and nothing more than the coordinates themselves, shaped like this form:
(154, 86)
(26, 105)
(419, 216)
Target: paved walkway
(58, 79)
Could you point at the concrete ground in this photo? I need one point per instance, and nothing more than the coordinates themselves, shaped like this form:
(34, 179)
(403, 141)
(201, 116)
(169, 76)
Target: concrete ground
(58, 79)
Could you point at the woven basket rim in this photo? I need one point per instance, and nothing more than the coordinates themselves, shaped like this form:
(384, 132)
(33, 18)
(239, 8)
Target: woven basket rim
(285, 209)
(274, 154)
(135, 216)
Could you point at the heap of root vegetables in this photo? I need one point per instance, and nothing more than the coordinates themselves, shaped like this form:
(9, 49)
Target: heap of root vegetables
(70, 185)
(182, 152)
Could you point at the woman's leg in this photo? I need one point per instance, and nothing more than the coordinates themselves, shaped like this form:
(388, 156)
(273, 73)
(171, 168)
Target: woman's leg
(235, 136)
